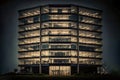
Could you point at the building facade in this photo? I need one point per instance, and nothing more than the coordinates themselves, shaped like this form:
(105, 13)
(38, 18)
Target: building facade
(60, 39)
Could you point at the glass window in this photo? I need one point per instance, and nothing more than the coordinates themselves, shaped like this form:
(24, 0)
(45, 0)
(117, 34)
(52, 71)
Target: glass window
(58, 53)
(29, 54)
(45, 39)
(29, 61)
(86, 48)
(59, 32)
(45, 60)
(89, 41)
(46, 17)
(60, 10)
(30, 12)
(73, 17)
(36, 19)
(73, 9)
(59, 17)
(22, 21)
(73, 46)
(59, 70)
(65, 10)
(53, 10)
(29, 47)
(89, 54)
(73, 60)
(29, 20)
(88, 12)
(45, 10)
(29, 40)
(89, 34)
(45, 53)
(59, 39)
(89, 48)
(90, 20)
(29, 27)
(90, 61)
(29, 34)
(59, 60)
(45, 46)
(59, 24)
(60, 46)
(89, 27)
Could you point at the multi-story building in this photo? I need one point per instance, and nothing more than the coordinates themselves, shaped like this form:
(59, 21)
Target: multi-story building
(60, 39)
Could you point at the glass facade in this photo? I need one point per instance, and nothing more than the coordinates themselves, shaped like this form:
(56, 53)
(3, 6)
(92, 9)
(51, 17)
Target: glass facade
(59, 37)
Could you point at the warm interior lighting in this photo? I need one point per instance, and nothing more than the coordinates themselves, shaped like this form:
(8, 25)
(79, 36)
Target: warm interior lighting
(61, 38)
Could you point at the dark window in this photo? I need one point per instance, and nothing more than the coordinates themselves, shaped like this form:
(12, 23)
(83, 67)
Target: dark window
(36, 19)
(80, 18)
(45, 17)
(59, 54)
(61, 60)
(59, 10)
(45, 46)
(73, 46)
(86, 48)
(73, 17)
(35, 47)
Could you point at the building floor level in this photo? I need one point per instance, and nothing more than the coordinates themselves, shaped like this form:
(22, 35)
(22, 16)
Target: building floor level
(59, 70)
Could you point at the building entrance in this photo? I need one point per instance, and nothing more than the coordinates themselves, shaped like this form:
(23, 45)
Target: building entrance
(60, 70)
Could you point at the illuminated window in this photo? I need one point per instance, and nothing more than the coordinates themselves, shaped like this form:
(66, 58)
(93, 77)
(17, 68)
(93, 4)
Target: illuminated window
(89, 34)
(89, 20)
(73, 60)
(59, 10)
(29, 40)
(91, 13)
(59, 32)
(29, 27)
(45, 53)
(29, 34)
(73, 9)
(47, 17)
(29, 61)
(45, 10)
(59, 25)
(45, 60)
(59, 17)
(89, 27)
(59, 60)
(89, 54)
(90, 41)
(29, 47)
(29, 54)
(29, 20)
(60, 70)
(89, 61)
(30, 12)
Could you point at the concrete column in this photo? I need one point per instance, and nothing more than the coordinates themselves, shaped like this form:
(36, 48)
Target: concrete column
(31, 69)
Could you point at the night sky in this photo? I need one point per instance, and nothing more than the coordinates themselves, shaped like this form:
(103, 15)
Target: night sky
(9, 29)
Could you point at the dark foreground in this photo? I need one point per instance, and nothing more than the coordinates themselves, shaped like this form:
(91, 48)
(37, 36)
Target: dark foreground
(46, 77)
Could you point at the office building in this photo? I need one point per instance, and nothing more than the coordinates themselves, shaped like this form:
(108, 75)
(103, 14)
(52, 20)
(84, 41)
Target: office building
(59, 39)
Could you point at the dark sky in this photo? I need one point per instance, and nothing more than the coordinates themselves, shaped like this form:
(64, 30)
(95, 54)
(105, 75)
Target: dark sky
(9, 21)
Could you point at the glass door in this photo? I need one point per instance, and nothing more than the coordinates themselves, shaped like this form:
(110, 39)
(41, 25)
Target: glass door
(60, 70)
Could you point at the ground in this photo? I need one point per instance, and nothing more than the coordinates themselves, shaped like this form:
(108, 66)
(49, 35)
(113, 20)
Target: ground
(46, 77)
